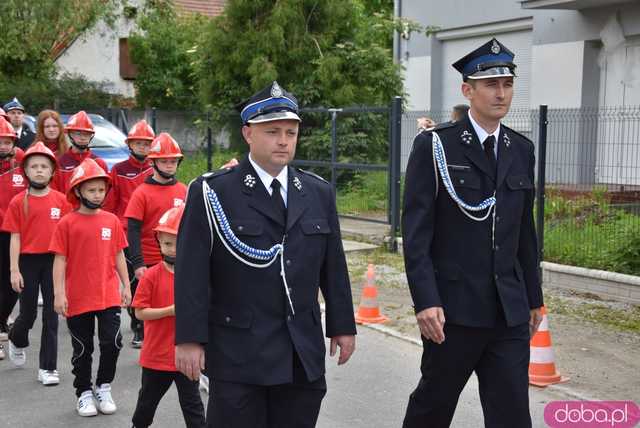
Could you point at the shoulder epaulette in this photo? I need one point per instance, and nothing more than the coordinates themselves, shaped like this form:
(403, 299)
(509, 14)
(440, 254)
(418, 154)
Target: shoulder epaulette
(216, 173)
(312, 174)
(443, 125)
(517, 133)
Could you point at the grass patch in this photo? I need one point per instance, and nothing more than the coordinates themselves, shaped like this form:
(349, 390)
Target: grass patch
(195, 164)
(365, 192)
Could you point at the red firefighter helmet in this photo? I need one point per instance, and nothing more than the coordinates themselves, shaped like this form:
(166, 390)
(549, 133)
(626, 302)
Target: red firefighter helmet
(170, 221)
(141, 131)
(164, 147)
(4, 114)
(39, 148)
(87, 170)
(6, 130)
(79, 122)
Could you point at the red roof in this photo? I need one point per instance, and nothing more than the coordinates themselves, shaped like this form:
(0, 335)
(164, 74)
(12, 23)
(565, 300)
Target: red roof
(209, 8)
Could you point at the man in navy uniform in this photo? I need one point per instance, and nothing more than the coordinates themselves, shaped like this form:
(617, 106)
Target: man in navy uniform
(261, 323)
(471, 253)
(15, 111)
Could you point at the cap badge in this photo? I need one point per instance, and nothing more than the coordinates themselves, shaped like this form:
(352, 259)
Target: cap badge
(495, 47)
(466, 137)
(276, 90)
(297, 183)
(249, 181)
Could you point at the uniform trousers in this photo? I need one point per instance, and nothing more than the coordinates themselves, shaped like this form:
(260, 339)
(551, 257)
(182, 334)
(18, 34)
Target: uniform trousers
(8, 297)
(155, 384)
(36, 270)
(82, 330)
(291, 405)
(500, 358)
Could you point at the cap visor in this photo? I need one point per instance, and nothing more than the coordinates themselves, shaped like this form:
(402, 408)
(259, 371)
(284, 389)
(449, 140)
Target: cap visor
(279, 115)
(491, 73)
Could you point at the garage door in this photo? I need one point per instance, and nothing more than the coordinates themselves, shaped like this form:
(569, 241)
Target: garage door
(518, 42)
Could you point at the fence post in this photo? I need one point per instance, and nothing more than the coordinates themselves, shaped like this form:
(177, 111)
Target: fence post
(154, 118)
(542, 162)
(394, 171)
(209, 144)
(334, 146)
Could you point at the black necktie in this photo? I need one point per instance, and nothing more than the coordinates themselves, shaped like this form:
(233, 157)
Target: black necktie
(277, 200)
(488, 145)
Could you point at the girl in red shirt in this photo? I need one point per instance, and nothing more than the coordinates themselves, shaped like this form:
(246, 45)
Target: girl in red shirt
(88, 268)
(30, 218)
(11, 183)
(153, 303)
(149, 201)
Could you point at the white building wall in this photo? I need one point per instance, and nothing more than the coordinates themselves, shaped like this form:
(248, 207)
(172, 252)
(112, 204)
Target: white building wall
(417, 79)
(557, 75)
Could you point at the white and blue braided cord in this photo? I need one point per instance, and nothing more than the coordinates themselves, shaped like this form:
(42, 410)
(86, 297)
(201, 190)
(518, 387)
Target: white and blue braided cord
(440, 161)
(218, 220)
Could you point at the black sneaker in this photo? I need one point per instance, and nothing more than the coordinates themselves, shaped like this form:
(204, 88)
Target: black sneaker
(136, 342)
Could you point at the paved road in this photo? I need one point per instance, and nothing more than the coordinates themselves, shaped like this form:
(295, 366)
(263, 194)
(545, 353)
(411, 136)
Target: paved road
(370, 391)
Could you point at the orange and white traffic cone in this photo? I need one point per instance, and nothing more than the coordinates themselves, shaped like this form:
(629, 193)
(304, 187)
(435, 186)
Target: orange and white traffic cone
(542, 366)
(369, 311)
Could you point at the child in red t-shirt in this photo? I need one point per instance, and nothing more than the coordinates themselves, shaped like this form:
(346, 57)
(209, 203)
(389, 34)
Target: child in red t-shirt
(88, 268)
(30, 218)
(11, 183)
(149, 201)
(153, 303)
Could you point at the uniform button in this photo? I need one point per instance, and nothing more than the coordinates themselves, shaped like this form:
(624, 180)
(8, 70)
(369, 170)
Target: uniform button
(288, 318)
(318, 226)
(496, 276)
(288, 262)
(227, 319)
(497, 247)
(497, 219)
(240, 228)
(520, 183)
(290, 290)
(462, 181)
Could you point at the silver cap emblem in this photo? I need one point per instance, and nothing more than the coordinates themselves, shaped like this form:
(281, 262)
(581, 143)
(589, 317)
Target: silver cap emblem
(495, 47)
(276, 90)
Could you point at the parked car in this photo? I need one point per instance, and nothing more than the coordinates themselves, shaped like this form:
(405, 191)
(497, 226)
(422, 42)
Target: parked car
(108, 143)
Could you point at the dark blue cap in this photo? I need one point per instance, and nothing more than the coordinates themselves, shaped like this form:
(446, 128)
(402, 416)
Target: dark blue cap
(14, 104)
(492, 59)
(269, 104)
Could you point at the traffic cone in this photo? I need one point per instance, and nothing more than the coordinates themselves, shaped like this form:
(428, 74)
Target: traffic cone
(369, 311)
(542, 366)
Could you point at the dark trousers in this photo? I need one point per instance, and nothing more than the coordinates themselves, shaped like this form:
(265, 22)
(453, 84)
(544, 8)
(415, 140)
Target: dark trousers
(136, 324)
(292, 405)
(82, 328)
(37, 274)
(155, 384)
(8, 297)
(500, 358)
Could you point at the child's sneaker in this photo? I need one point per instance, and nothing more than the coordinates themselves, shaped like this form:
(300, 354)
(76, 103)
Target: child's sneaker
(204, 383)
(2, 353)
(4, 332)
(105, 401)
(18, 356)
(86, 406)
(48, 377)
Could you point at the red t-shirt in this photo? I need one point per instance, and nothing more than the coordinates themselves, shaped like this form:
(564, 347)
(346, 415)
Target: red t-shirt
(12, 182)
(147, 204)
(126, 176)
(155, 290)
(36, 227)
(90, 244)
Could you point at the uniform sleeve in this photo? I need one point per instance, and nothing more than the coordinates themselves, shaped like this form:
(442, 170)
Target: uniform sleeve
(144, 291)
(59, 243)
(418, 221)
(334, 279)
(192, 272)
(12, 218)
(528, 245)
(111, 201)
(136, 207)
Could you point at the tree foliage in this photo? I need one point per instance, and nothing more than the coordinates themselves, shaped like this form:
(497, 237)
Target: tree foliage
(33, 30)
(163, 50)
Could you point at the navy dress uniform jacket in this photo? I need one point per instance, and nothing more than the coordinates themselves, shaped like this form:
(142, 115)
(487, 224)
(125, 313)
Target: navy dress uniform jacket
(241, 312)
(26, 137)
(449, 258)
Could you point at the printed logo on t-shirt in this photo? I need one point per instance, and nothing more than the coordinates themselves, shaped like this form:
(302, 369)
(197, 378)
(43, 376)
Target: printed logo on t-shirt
(106, 234)
(18, 180)
(55, 213)
(177, 202)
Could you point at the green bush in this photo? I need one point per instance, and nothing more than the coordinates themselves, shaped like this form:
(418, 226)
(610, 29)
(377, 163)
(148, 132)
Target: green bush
(195, 164)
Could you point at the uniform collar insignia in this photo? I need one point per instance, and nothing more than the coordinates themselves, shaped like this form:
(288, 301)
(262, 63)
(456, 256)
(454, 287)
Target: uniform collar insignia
(466, 137)
(249, 181)
(507, 141)
(297, 183)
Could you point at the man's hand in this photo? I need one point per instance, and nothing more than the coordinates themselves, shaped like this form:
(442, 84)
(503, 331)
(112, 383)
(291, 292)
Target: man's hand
(17, 282)
(190, 360)
(125, 295)
(140, 272)
(60, 304)
(431, 323)
(347, 344)
(230, 164)
(534, 320)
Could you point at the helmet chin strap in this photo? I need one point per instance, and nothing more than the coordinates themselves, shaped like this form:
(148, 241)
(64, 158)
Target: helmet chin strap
(87, 203)
(6, 155)
(139, 158)
(169, 260)
(78, 146)
(162, 173)
(37, 186)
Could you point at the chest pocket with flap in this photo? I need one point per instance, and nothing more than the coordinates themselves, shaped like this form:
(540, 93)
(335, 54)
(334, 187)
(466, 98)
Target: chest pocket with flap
(319, 226)
(246, 227)
(519, 182)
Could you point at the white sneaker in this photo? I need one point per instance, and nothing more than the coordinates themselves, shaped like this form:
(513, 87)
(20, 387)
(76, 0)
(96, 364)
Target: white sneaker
(40, 300)
(48, 377)
(105, 401)
(2, 354)
(204, 383)
(86, 406)
(18, 356)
